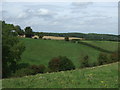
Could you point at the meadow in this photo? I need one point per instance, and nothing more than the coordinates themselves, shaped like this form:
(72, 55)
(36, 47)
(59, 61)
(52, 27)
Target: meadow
(40, 51)
(107, 45)
(105, 76)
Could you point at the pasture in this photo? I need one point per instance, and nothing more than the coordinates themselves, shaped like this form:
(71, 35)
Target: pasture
(107, 45)
(41, 51)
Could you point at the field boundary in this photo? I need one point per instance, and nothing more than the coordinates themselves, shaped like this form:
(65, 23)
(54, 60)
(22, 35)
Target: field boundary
(95, 47)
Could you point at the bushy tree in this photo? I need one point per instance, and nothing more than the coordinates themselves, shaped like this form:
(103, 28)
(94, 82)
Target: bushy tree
(85, 61)
(28, 32)
(40, 35)
(23, 72)
(66, 38)
(103, 59)
(61, 63)
(37, 69)
(19, 30)
(12, 49)
(114, 57)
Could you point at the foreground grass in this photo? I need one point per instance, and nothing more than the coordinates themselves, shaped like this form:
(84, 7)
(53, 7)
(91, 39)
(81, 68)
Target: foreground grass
(105, 76)
(42, 51)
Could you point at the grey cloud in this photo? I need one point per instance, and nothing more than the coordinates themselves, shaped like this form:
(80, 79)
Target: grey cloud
(41, 13)
(81, 4)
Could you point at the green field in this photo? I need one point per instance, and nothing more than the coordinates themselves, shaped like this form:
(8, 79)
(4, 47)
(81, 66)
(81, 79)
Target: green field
(107, 45)
(105, 76)
(41, 51)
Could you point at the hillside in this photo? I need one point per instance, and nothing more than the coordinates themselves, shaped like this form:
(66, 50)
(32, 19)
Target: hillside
(41, 51)
(105, 76)
(107, 45)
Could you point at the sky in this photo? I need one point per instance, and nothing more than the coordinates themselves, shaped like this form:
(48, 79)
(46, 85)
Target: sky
(83, 17)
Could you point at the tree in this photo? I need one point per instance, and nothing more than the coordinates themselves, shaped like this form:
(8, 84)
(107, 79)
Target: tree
(19, 30)
(61, 64)
(12, 49)
(103, 59)
(28, 32)
(84, 62)
(41, 35)
(66, 38)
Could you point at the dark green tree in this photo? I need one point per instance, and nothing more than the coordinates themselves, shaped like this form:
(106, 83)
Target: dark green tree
(85, 61)
(66, 38)
(103, 59)
(12, 49)
(41, 35)
(28, 32)
(61, 64)
(19, 30)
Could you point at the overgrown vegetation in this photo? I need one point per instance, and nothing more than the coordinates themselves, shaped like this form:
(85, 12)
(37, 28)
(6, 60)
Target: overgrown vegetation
(30, 70)
(12, 50)
(61, 64)
(66, 38)
(84, 62)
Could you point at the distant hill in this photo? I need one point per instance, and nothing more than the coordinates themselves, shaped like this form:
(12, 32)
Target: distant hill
(89, 36)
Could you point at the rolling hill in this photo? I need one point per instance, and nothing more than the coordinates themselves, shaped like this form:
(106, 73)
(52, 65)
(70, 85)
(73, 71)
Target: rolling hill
(107, 45)
(41, 51)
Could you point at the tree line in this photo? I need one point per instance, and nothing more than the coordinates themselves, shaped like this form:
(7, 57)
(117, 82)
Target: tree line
(28, 32)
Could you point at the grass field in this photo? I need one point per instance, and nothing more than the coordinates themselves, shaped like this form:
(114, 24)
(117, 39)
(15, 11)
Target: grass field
(105, 76)
(107, 45)
(41, 51)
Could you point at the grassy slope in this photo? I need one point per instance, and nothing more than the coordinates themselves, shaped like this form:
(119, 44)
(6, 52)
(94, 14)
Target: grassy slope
(98, 77)
(107, 45)
(41, 51)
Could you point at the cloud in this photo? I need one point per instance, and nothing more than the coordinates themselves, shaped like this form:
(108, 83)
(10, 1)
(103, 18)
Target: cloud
(63, 17)
(81, 4)
(22, 15)
(43, 11)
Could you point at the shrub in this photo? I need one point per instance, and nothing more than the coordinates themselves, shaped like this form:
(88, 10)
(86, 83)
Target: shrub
(41, 68)
(54, 64)
(103, 59)
(93, 64)
(23, 72)
(31, 70)
(66, 38)
(40, 36)
(37, 69)
(114, 57)
(61, 64)
(84, 62)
